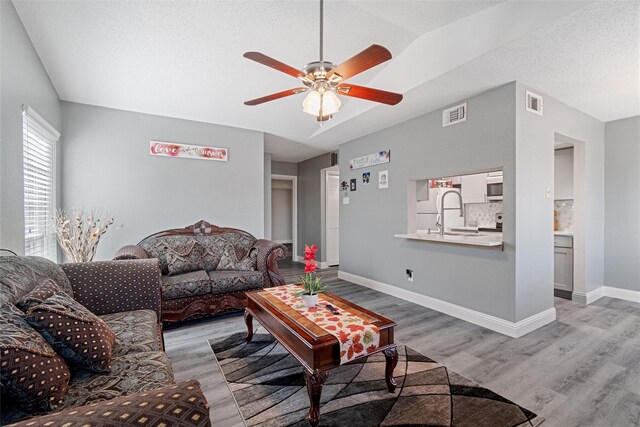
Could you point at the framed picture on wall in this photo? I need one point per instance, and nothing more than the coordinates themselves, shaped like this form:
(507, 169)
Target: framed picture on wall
(353, 184)
(383, 179)
(366, 178)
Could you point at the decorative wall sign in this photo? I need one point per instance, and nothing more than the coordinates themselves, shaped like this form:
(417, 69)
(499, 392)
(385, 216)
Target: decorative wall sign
(366, 178)
(383, 179)
(370, 160)
(170, 149)
(353, 184)
(441, 183)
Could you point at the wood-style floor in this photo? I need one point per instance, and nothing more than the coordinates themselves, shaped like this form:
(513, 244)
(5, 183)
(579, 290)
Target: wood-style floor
(581, 370)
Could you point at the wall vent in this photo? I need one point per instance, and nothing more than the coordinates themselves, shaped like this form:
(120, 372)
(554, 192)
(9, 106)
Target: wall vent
(454, 115)
(534, 103)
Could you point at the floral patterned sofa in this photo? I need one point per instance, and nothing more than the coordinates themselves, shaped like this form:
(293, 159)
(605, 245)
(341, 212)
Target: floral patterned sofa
(140, 385)
(207, 269)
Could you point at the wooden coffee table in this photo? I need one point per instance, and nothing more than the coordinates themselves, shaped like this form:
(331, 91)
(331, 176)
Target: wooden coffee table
(317, 350)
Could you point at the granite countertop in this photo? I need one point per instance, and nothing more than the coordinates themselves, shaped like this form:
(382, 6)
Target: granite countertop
(488, 240)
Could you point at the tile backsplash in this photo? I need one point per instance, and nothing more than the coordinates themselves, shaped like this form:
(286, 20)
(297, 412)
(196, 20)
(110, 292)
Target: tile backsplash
(565, 214)
(484, 214)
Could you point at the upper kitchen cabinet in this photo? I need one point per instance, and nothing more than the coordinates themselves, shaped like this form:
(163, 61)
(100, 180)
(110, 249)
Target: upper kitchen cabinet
(422, 189)
(563, 174)
(474, 188)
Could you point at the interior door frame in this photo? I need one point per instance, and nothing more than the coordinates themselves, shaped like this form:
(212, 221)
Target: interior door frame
(580, 194)
(294, 206)
(333, 170)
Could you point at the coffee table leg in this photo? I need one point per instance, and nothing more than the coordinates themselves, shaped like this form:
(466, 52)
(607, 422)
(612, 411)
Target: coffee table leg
(391, 356)
(314, 388)
(248, 319)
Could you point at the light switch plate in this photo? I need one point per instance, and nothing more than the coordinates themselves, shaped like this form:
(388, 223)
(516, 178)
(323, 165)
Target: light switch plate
(345, 200)
(547, 192)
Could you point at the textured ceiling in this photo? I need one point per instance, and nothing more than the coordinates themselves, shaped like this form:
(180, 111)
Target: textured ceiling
(184, 58)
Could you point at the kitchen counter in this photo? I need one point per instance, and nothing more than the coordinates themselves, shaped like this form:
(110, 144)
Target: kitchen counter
(563, 233)
(483, 240)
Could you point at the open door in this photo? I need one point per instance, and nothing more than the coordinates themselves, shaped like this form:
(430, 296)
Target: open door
(332, 217)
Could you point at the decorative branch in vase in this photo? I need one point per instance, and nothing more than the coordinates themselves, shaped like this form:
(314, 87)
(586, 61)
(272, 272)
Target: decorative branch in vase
(311, 284)
(78, 234)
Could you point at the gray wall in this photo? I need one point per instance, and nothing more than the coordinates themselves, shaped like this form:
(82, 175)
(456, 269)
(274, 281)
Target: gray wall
(563, 174)
(513, 284)
(622, 204)
(284, 168)
(112, 168)
(309, 203)
(282, 219)
(480, 279)
(23, 80)
(536, 137)
(267, 196)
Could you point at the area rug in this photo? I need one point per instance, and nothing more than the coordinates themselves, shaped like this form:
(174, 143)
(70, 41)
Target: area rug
(268, 385)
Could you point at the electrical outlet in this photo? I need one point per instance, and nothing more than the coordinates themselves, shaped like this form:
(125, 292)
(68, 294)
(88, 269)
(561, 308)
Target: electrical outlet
(409, 274)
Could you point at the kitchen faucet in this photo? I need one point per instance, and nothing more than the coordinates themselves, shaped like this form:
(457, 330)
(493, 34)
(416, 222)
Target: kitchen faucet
(442, 208)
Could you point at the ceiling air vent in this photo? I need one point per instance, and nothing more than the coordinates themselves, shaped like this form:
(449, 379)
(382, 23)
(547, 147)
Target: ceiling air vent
(454, 115)
(534, 103)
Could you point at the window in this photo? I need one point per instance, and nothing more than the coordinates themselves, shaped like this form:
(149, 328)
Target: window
(39, 164)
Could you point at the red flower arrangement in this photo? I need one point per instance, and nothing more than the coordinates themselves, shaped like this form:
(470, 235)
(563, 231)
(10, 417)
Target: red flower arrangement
(312, 284)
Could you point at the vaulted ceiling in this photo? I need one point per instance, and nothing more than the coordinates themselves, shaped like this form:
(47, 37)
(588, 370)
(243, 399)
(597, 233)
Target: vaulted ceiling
(184, 58)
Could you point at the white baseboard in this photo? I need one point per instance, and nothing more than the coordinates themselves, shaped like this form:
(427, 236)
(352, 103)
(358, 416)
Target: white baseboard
(619, 293)
(511, 329)
(283, 242)
(606, 291)
(589, 297)
(298, 258)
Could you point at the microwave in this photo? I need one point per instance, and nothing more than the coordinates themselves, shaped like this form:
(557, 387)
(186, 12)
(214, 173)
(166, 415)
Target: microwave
(494, 187)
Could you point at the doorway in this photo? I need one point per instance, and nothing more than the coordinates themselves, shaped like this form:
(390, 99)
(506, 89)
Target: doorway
(284, 227)
(331, 216)
(570, 190)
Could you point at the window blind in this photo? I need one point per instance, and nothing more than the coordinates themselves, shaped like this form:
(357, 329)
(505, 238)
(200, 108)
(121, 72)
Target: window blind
(39, 165)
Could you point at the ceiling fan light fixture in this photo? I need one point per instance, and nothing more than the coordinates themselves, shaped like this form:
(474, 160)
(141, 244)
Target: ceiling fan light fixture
(321, 103)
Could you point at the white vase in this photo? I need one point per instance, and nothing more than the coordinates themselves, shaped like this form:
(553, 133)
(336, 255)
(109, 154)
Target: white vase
(310, 300)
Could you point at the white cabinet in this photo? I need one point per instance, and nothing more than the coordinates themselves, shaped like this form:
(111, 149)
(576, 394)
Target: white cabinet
(474, 188)
(422, 189)
(563, 179)
(563, 263)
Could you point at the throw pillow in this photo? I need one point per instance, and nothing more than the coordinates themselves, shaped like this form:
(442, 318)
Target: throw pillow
(39, 294)
(79, 336)
(186, 254)
(229, 260)
(31, 373)
(181, 404)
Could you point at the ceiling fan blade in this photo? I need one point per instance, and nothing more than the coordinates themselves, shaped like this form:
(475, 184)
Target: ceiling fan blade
(273, 63)
(276, 96)
(368, 58)
(375, 95)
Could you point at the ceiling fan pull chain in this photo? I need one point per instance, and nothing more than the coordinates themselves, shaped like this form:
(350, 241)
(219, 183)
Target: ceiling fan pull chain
(321, 25)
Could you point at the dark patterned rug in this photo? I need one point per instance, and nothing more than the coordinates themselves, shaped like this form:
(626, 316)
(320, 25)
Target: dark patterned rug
(268, 384)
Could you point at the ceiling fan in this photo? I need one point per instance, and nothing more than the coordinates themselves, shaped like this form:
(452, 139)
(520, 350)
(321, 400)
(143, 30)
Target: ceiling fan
(324, 80)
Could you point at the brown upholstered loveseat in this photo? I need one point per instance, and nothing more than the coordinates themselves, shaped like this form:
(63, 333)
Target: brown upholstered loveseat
(126, 295)
(207, 269)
